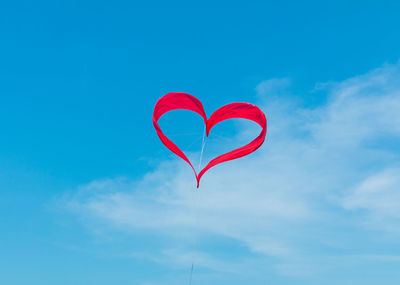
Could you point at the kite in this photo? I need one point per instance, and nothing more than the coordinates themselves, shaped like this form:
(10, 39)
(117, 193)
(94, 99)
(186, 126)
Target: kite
(184, 101)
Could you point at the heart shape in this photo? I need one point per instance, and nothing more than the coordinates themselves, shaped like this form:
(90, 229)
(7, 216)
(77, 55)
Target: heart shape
(184, 101)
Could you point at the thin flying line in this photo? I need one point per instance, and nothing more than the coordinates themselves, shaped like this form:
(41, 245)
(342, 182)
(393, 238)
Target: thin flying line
(202, 147)
(195, 141)
(191, 273)
(201, 156)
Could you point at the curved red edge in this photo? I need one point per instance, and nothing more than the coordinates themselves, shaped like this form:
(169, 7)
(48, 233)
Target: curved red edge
(179, 100)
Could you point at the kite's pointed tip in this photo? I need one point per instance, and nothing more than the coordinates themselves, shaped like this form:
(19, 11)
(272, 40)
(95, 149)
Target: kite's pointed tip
(207, 129)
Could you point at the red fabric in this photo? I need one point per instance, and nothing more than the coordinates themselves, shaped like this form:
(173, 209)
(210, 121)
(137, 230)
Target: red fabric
(179, 100)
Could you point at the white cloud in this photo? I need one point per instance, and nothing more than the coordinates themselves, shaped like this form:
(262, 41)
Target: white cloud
(285, 199)
(379, 196)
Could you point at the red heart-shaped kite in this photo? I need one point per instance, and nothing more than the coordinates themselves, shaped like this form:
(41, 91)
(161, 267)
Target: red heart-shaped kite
(179, 100)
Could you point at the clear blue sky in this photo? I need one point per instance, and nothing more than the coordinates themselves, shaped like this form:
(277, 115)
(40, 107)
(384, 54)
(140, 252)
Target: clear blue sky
(88, 194)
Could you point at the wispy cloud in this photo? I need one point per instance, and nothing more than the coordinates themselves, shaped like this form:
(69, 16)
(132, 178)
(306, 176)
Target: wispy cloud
(295, 198)
(379, 197)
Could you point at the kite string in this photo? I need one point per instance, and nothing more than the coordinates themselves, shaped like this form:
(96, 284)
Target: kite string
(194, 242)
(191, 274)
(202, 147)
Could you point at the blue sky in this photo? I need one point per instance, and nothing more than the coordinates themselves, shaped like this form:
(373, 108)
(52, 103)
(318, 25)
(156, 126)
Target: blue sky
(90, 196)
